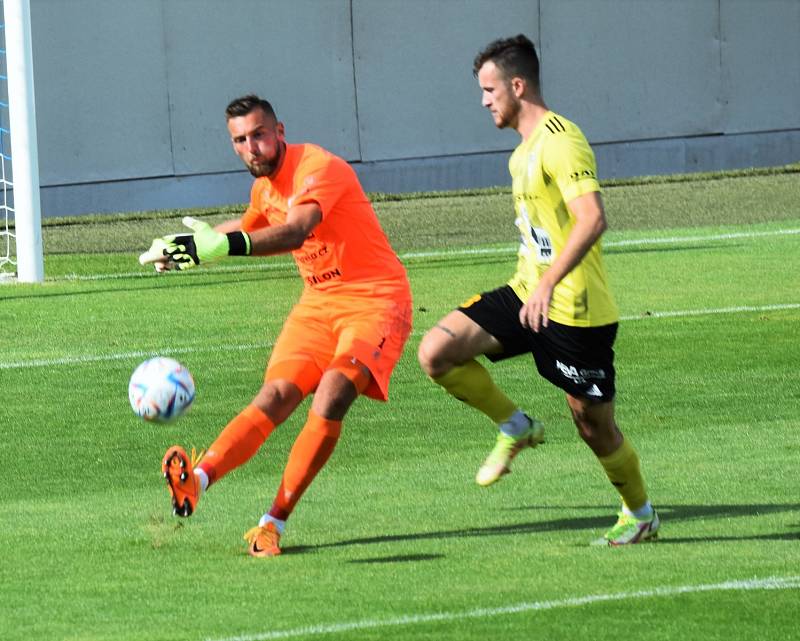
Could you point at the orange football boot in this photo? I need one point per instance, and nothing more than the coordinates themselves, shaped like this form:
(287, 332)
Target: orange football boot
(184, 486)
(263, 540)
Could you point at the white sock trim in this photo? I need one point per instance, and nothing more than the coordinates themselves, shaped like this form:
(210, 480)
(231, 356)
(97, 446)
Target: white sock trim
(202, 477)
(279, 525)
(644, 512)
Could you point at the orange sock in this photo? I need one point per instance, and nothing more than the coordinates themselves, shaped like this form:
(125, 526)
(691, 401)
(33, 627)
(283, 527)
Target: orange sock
(237, 443)
(311, 450)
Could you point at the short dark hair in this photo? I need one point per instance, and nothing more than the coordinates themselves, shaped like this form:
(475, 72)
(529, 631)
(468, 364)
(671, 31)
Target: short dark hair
(514, 57)
(246, 104)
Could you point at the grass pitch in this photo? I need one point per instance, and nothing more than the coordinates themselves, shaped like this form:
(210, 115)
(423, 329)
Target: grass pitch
(394, 540)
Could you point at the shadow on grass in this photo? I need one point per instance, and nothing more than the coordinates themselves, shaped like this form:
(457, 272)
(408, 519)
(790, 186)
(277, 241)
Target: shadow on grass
(645, 248)
(684, 512)
(668, 513)
(402, 558)
(786, 536)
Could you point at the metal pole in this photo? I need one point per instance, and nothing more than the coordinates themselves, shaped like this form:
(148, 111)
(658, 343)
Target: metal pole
(24, 150)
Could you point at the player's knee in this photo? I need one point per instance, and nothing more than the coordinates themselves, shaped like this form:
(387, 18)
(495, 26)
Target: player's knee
(278, 399)
(585, 430)
(431, 356)
(583, 421)
(423, 356)
(596, 427)
(335, 395)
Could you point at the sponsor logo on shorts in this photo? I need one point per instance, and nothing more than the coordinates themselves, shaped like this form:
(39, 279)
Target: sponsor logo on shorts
(581, 376)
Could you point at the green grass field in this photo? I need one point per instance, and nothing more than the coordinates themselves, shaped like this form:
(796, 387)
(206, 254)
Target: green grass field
(394, 540)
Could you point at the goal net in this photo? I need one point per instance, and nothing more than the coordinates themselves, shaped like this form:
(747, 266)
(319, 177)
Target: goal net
(20, 211)
(8, 264)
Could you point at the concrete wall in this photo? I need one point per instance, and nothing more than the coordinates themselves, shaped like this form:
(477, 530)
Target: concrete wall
(130, 93)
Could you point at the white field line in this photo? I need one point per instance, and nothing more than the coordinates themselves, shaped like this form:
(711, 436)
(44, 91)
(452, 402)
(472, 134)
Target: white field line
(670, 240)
(719, 310)
(122, 356)
(202, 349)
(770, 583)
(511, 249)
(88, 358)
(696, 239)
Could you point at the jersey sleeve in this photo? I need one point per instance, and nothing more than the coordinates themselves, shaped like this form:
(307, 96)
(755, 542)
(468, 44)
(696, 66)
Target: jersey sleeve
(569, 160)
(321, 178)
(254, 217)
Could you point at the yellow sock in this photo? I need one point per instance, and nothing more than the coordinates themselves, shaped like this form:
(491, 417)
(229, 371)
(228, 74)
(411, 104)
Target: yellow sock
(472, 384)
(622, 469)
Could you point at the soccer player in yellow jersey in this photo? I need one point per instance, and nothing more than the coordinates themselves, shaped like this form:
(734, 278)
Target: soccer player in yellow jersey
(557, 306)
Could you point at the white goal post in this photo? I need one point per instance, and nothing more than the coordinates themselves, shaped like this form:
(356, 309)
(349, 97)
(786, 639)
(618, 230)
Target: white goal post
(24, 157)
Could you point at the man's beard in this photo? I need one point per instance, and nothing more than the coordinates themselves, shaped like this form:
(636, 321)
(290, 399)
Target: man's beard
(509, 118)
(267, 168)
(259, 170)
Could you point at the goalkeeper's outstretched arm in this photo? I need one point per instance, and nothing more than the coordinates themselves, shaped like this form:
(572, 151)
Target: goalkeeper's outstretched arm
(235, 224)
(207, 244)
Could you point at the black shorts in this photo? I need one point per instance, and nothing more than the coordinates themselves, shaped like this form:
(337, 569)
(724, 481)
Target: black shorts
(579, 360)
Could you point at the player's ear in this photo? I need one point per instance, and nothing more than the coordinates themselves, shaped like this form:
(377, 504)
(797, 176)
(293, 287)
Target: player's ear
(518, 85)
(280, 130)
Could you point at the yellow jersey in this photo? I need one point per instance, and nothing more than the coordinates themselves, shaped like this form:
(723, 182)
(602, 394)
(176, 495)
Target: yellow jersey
(552, 167)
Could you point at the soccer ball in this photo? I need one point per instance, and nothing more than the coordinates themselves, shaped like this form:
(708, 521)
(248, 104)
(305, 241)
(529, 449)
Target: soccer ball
(161, 390)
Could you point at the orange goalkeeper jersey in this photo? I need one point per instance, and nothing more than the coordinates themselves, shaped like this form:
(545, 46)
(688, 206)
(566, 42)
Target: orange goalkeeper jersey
(348, 251)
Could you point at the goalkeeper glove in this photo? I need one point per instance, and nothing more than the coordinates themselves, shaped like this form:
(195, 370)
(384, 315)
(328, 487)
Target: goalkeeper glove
(184, 251)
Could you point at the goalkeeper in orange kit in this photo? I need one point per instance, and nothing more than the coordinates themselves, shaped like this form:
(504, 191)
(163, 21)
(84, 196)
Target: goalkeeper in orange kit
(342, 339)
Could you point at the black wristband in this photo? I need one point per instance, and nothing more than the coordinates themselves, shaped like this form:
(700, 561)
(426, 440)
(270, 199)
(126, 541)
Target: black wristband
(238, 243)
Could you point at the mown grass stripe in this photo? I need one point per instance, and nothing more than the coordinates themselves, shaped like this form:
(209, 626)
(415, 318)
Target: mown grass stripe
(443, 254)
(769, 583)
(172, 351)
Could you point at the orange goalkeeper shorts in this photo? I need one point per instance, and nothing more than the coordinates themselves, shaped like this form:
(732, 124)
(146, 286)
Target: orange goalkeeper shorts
(323, 326)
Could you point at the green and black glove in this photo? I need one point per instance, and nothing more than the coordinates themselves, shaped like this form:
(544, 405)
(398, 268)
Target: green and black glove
(184, 251)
